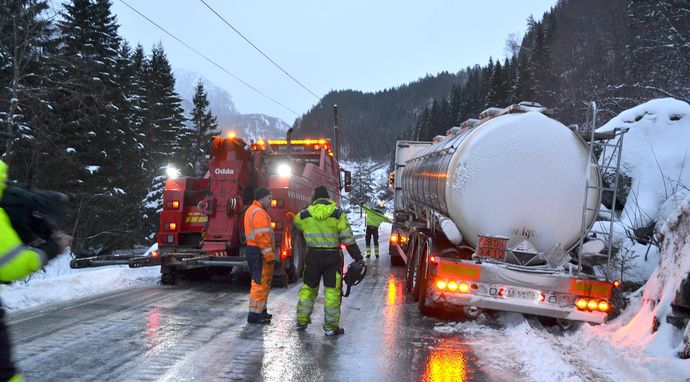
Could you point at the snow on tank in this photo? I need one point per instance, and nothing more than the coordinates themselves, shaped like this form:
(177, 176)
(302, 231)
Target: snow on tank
(513, 175)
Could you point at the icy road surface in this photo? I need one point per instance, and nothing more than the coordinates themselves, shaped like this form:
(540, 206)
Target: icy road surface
(198, 331)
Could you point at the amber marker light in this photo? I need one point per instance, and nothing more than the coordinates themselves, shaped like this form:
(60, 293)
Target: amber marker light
(441, 284)
(452, 285)
(464, 288)
(592, 304)
(603, 306)
(581, 303)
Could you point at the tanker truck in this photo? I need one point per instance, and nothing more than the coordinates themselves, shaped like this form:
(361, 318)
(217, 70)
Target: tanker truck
(498, 214)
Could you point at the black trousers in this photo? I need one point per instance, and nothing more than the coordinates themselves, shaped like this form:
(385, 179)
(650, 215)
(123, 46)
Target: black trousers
(326, 263)
(7, 369)
(372, 231)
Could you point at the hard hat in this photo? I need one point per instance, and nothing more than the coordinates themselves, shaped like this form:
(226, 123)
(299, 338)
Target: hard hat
(354, 275)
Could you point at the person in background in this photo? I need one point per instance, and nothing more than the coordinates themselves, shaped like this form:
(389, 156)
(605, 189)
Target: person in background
(375, 217)
(325, 229)
(18, 260)
(260, 254)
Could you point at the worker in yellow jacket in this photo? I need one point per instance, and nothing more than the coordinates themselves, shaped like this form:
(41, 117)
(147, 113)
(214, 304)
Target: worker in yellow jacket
(260, 254)
(18, 260)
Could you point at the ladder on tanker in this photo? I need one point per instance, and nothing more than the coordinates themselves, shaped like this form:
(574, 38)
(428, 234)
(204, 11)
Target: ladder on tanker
(605, 151)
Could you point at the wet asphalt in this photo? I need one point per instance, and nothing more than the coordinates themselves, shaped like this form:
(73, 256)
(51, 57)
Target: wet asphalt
(198, 331)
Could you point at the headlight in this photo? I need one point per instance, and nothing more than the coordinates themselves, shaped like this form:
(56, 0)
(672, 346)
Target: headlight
(172, 172)
(284, 170)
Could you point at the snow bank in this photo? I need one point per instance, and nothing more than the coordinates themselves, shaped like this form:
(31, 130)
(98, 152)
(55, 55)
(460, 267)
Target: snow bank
(57, 282)
(655, 156)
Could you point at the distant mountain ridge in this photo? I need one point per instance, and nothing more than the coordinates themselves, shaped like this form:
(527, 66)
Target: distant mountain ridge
(247, 126)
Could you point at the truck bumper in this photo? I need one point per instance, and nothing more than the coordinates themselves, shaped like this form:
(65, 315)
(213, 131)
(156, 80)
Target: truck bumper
(456, 301)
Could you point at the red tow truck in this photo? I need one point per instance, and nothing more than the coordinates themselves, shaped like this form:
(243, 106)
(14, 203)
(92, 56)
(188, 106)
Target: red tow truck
(201, 221)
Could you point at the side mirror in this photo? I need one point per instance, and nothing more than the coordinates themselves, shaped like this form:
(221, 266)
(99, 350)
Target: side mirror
(348, 181)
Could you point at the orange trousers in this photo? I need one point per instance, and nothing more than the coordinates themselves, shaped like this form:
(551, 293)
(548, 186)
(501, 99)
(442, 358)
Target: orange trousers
(258, 295)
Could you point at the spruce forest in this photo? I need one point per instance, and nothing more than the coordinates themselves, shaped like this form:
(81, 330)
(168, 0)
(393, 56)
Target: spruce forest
(93, 117)
(618, 53)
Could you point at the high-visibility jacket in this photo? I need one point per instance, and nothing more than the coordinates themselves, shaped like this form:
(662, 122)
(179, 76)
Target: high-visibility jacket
(324, 225)
(16, 259)
(258, 230)
(375, 216)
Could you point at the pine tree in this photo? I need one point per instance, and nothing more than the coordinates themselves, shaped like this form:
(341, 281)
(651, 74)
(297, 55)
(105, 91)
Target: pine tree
(498, 88)
(163, 132)
(204, 125)
(523, 89)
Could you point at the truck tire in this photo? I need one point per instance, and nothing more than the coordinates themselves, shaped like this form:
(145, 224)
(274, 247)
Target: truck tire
(168, 276)
(396, 260)
(299, 252)
(417, 272)
(409, 270)
(423, 287)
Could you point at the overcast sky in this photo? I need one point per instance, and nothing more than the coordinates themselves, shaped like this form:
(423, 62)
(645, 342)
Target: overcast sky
(366, 45)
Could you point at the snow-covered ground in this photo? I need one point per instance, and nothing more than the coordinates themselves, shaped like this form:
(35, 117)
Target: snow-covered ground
(57, 282)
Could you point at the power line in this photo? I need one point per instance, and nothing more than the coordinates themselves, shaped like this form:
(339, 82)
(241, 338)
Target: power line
(259, 50)
(208, 59)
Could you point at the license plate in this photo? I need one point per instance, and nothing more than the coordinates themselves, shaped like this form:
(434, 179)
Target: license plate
(521, 294)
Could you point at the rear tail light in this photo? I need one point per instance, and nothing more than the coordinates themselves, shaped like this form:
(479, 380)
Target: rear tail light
(172, 226)
(172, 205)
(277, 203)
(616, 283)
(541, 297)
(592, 304)
(394, 238)
(283, 254)
(464, 288)
(433, 260)
(452, 285)
(154, 254)
(441, 284)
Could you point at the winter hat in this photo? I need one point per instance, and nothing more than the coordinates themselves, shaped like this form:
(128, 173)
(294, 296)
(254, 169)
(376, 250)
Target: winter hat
(320, 192)
(261, 192)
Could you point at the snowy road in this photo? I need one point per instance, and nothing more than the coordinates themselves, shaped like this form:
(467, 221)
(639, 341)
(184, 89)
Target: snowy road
(198, 332)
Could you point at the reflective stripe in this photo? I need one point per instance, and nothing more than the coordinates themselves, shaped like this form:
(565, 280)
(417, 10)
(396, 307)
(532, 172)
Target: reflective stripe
(321, 234)
(323, 244)
(11, 254)
(347, 232)
(331, 319)
(332, 311)
(349, 241)
(257, 303)
(304, 311)
(259, 230)
(306, 303)
(253, 310)
(266, 250)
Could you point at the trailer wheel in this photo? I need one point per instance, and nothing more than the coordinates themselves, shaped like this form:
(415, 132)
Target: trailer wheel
(416, 273)
(423, 286)
(409, 270)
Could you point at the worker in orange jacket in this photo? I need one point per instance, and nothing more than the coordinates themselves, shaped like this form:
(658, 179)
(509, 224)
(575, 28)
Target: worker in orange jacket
(260, 254)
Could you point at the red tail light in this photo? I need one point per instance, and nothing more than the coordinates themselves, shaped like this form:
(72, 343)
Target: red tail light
(172, 226)
(394, 238)
(433, 260)
(154, 254)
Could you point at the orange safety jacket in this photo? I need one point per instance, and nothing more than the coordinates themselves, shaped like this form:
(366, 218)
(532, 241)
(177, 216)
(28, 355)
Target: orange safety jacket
(258, 230)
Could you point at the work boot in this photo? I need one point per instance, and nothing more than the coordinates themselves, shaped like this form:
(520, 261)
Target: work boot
(301, 327)
(265, 314)
(334, 332)
(257, 318)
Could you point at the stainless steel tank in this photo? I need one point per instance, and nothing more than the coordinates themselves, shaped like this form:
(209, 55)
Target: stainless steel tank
(514, 175)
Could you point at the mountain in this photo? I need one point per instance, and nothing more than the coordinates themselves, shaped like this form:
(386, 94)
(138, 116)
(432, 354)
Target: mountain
(247, 126)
